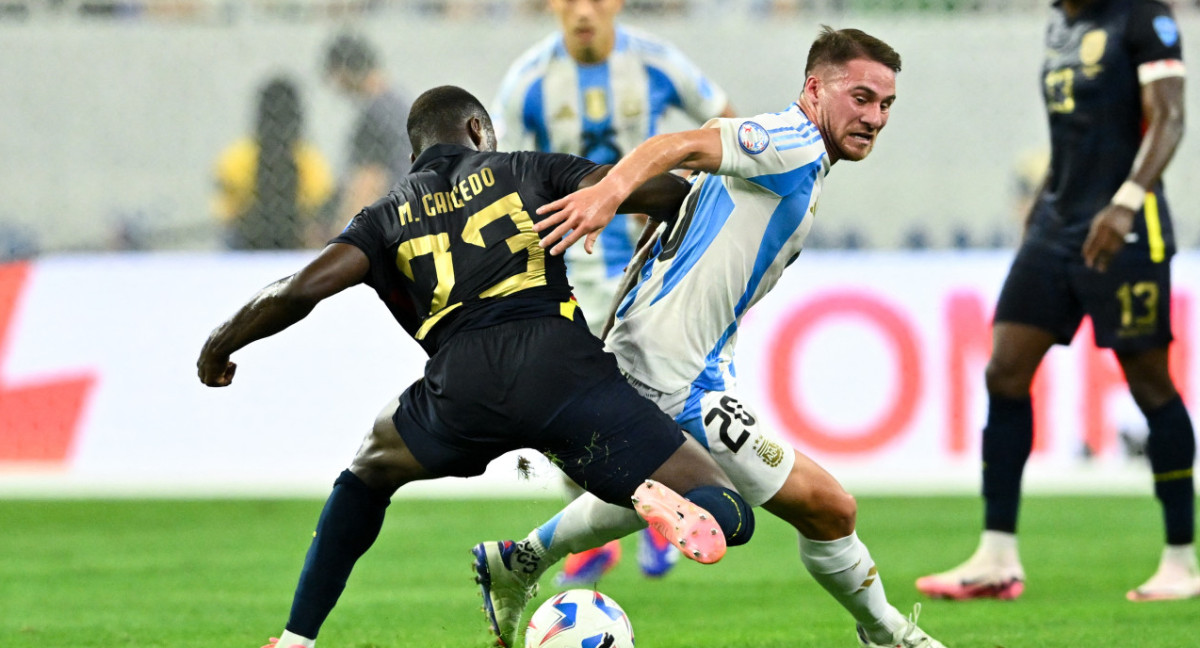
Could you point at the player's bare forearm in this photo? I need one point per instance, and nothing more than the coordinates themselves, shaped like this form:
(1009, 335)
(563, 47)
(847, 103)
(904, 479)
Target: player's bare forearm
(587, 211)
(270, 311)
(1162, 105)
(278, 306)
(659, 197)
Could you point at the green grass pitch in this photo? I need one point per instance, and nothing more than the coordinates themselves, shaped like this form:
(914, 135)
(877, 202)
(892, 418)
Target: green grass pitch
(207, 574)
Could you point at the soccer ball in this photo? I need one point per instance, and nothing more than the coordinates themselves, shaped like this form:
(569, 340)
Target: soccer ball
(579, 618)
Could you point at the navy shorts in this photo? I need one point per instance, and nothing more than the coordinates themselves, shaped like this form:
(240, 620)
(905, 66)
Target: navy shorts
(543, 383)
(1130, 304)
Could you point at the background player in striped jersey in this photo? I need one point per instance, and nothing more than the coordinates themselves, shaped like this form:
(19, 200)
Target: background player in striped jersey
(596, 89)
(1097, 242)
(743, 223)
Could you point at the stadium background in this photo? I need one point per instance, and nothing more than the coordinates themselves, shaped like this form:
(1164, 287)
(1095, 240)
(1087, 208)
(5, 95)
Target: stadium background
(116, 111)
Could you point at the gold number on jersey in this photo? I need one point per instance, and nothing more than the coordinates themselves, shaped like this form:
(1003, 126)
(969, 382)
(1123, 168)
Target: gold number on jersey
(525, 239)
(438, 245)
(1145, 293)
(1060, 90)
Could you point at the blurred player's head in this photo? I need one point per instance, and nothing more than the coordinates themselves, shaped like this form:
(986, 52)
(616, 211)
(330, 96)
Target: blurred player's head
(349, 61)
(588, 27)
(279, 114)
(848, 91)
(449, 115)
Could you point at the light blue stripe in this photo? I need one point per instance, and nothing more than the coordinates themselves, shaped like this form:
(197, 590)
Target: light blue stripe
(662, 93)
(616, 246)
(534, 115)
(546, 531)
(599, 138)
(792, 145)
(788, 182)
(788, 215)
(647, 270)
(691, 418)
(712, 210)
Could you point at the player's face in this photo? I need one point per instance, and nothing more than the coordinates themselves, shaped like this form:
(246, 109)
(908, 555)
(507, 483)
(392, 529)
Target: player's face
(588, 26)
(853, 102)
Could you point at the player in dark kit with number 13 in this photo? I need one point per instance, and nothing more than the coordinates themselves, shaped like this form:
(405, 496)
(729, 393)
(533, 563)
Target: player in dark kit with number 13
(1098, 242)
(452, 252)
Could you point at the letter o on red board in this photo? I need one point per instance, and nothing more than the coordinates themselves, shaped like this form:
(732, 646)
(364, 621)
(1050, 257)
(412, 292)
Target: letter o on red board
(897, 333)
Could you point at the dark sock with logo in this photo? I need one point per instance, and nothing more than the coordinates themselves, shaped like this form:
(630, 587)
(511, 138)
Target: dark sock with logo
(1172, 450)
(1007, 442)
(348, 526)
(728, 509)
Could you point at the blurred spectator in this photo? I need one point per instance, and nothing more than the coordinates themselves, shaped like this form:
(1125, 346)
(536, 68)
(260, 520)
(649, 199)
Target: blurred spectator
(916, 238)
(17, 242)
(960, 238)
(852, 239)
(380, 153)
(272, 185)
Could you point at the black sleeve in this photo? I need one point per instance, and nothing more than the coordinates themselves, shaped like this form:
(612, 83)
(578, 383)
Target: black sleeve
(366, 232)
(1152, 34)
(560, 173)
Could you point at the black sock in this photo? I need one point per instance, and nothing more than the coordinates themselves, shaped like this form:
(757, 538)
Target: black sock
(348, 526)
(1007, 442)
(1172, 451)
(728, 509)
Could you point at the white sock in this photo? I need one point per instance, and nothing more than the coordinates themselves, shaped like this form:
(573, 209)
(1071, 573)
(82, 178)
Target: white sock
(586, 523)
(1180, 555)
(998, 542)
(845, 569)
(289, 639)
(997, 548)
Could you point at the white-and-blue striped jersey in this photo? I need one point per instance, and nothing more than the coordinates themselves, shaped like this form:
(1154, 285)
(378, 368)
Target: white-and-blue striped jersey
(550, 102)
(736, 233)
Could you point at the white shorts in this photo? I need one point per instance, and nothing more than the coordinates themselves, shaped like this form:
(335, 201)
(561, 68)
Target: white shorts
(757, 460)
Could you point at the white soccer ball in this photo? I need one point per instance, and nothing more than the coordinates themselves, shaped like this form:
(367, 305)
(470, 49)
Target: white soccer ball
(579, 618)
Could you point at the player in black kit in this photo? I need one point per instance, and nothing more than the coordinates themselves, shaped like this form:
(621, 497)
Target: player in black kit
(452, 253)
(1098, 242)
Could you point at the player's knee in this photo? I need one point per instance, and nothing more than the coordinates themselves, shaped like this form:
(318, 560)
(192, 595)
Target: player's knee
(840, 513)
(1151, 386)
(383, 461)
(1006, 378)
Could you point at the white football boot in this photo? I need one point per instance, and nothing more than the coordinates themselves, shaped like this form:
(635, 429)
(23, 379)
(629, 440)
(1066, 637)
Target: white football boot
(907, 636)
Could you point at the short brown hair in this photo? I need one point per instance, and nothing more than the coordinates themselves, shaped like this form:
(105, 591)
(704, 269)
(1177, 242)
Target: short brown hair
(837, 47)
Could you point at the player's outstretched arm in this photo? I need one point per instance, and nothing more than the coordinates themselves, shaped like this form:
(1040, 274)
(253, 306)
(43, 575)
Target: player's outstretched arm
(278, 306)
(589, 210)
(1162, 106)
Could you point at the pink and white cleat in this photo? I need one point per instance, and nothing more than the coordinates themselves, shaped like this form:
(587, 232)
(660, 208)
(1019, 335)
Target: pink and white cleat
(686, 525)
(993, 571)
(275, 644)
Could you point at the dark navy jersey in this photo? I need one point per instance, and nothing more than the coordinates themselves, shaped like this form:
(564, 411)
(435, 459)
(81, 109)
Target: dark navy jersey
(1093, 98)
(452, 247)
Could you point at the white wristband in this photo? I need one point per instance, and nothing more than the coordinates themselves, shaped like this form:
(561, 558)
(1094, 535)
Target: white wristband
(1130, 196)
